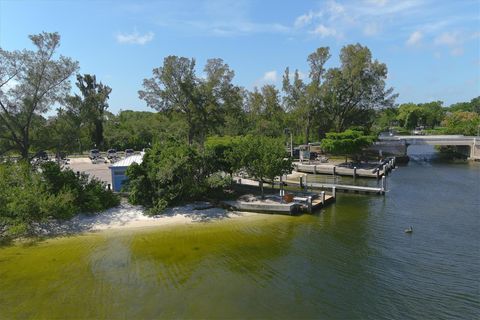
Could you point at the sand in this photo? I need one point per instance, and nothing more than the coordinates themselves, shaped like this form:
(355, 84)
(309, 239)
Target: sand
(127, 216)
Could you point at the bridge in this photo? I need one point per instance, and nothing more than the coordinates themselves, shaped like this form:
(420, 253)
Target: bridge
(440, 140)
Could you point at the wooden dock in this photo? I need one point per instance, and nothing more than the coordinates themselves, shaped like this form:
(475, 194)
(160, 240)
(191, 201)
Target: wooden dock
(378, 172)
(338, 187)
(305, 202)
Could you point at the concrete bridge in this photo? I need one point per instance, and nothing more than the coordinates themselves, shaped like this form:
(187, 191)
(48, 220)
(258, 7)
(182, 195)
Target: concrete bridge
(441, 140)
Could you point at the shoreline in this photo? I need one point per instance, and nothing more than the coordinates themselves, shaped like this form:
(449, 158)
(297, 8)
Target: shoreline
(128, 217)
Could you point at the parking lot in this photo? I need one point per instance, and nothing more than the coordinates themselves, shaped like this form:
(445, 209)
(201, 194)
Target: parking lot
(98, 170)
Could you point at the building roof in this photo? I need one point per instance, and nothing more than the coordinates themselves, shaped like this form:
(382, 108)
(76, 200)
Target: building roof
(136, 158)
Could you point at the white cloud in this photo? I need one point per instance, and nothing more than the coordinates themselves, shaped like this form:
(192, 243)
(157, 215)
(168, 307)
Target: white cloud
(270, 76)
(453, 40)
(448, 39)
(306, 19)
(371, 29)
(135, 38)
(458, 51)
(324, 31)
(335, 7)
(379, 3)
(415, 38)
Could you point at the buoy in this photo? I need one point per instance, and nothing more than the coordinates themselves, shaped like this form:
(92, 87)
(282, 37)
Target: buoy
(409, 230)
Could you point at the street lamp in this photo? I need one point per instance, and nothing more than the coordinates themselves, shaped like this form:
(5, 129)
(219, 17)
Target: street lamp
(288, 131)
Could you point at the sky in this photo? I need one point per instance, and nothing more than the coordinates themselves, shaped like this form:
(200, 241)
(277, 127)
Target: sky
(431, 48)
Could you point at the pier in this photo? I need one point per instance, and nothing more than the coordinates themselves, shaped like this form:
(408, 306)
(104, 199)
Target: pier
(340, 187)
(379, 170)
(305, 202)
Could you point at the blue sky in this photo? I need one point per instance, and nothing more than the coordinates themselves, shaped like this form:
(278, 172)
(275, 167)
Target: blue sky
(431, 47)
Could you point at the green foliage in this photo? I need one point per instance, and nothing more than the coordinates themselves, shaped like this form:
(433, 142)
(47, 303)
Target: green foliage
(32, 81)
(139, 129)
(29, 195)
(472, 106)
(223, 153)
(170, 172)
(348, 143)
(265, 112)
(264, 158)
(354, 90)
(203, 103)
(466, 123)
(385, 119)
(411, 115)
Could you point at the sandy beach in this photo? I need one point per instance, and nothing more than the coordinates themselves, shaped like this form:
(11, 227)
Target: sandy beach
(127, 216)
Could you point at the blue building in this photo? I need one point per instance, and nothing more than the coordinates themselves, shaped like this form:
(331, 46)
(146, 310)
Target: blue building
(119, 168)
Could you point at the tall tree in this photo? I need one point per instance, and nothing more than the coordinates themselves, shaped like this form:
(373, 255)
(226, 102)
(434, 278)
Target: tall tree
(93, 105)
(204, 102)
(174, 87)
(306, 99)
(356, 88)
(30, 83)
(265, 111)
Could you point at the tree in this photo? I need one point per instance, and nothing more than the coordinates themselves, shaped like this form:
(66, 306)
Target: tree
(306, 99)
(265, 111)
(203, 102)
(93, 105)
(466, 123)
(224, 154)
(355, 89)
(170, 172)
(30, 82)
(348, 143)
(385, 119)
(141, 129)
(172, 88)
(411, 115)
(472, 106)
(264, 158)
(433, 113)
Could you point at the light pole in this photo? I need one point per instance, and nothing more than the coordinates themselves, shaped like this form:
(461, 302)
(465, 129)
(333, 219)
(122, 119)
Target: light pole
(288, 131)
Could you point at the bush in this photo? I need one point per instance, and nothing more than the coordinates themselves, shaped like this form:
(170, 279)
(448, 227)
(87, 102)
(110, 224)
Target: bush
(30, 195)
(170, 172)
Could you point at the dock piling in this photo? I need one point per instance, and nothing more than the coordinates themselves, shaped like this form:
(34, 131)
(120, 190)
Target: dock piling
(354, 172)
(334, 192)
(323, 197)
(384, 184)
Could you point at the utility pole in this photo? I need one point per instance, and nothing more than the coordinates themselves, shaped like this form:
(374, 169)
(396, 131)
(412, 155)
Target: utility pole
(288, 131)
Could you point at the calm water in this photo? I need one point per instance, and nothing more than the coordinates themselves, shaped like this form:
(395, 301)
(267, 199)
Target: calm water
(352, 260)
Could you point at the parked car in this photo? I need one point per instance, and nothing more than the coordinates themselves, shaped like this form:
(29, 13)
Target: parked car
(418, 131)
(94, 154)
(42, 155)
(129, 152)
(111, 153)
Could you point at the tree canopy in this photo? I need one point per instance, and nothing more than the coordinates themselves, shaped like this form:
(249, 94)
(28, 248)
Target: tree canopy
(348, 143)
(30, 83)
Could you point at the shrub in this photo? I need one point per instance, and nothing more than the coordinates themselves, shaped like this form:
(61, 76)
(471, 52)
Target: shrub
(28, 194)
(170, 172)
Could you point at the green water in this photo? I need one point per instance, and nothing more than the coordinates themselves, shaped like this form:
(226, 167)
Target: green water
(352, 260)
